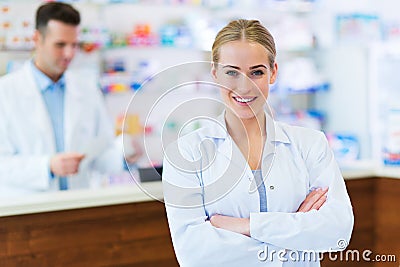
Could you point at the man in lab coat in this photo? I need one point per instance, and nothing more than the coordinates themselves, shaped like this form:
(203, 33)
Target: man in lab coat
(50, 118)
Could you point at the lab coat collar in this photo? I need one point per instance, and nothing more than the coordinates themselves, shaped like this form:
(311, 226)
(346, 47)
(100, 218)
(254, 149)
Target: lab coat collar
(218, 129)
(275, 133)
(28, 81)
(228, 148)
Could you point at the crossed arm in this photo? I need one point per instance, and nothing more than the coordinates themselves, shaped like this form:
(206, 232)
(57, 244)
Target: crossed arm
(313, 201)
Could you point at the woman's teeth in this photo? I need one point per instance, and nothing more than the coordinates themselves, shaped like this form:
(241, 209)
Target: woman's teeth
(244, 100)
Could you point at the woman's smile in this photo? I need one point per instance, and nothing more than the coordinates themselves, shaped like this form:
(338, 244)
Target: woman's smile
(245, 74)
(244, 100)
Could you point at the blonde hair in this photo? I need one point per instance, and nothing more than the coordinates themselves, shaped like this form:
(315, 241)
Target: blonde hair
(248, 30)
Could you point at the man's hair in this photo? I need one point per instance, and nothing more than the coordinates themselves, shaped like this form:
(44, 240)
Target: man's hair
(56, 11)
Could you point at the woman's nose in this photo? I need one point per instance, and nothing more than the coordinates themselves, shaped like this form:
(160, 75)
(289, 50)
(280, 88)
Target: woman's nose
(245, 85)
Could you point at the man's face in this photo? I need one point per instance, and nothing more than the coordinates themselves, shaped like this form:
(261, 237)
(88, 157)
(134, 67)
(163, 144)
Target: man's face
(56, 48)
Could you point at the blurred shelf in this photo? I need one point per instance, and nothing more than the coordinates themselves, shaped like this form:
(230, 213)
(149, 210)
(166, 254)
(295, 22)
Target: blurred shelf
(149, 48)
(11, 51)
(311, 90)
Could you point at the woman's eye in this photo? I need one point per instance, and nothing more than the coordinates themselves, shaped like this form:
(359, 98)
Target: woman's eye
(257, 73)
(232, 73)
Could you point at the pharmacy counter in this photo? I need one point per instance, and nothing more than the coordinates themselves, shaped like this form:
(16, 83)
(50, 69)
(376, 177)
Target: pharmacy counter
(124, 226)
(375, 196)
(76, 199)
(149, 191)
(116, 226)
(368, 169)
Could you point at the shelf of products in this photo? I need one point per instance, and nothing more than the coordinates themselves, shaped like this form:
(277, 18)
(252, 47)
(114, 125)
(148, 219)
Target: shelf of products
(148, 37)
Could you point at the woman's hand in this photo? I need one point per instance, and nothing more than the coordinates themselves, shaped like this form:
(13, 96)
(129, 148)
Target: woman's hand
(314, 200)
(237, 225)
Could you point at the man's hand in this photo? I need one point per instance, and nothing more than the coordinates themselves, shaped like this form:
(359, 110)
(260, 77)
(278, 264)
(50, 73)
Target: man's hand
(64, 164)
(237, 225)
(314, 200)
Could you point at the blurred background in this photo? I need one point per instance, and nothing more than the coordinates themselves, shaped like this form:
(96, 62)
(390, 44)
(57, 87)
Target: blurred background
(337, 63)
(338, 72)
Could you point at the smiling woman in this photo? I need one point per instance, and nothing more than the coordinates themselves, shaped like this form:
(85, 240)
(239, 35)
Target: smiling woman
(243, 73)
(258, 183)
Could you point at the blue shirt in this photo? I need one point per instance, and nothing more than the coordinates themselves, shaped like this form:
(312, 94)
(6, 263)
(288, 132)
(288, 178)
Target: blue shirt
(53, 97)
(261, 190)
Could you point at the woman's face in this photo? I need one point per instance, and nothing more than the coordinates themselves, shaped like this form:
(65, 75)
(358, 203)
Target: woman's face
(244, 74)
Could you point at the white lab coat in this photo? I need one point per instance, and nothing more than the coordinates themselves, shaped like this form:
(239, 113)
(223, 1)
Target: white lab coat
(26, 136)
(296, 160)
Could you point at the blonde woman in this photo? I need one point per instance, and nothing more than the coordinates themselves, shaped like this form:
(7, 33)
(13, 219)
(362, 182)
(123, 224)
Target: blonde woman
(246, 190)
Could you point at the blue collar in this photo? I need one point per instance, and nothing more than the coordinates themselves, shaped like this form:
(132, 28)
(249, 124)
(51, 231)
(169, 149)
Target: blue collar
(43, 81)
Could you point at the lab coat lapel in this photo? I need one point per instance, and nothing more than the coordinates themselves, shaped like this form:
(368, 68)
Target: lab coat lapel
(73, 109)
(228, 170)
(269, 150)
(231, 151)
(228, 149)
(35, 109)
(276, 135)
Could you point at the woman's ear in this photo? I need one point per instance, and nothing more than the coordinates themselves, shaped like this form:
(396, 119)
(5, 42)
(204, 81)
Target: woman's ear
(213, 70)
(274, 73)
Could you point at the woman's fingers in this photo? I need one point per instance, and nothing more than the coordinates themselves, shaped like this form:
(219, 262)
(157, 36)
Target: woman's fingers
(314, 200)
(318, 204)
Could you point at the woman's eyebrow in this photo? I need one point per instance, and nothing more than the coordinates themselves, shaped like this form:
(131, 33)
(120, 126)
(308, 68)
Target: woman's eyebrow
(230, 66)
(258, 66)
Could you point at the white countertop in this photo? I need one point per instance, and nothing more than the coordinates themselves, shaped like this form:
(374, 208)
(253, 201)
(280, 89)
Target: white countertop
(364, 169)
(386, 172)
(84, 198)
(149, 191)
